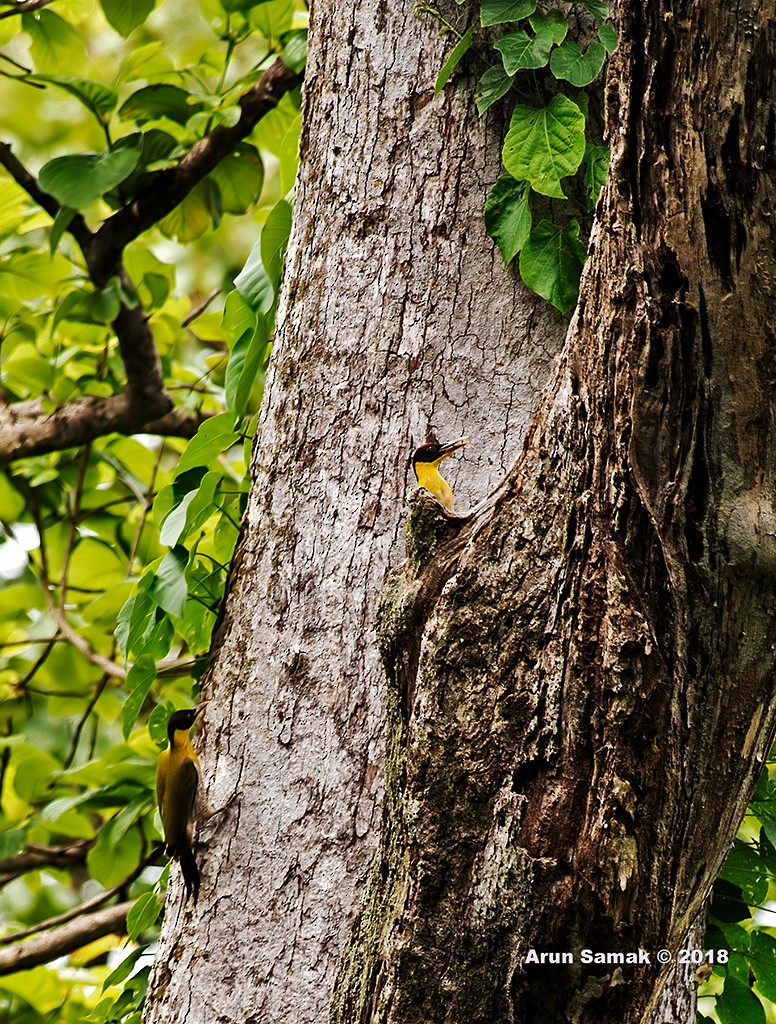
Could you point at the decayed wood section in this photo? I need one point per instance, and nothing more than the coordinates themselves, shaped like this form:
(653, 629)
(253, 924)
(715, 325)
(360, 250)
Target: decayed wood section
(581, 674)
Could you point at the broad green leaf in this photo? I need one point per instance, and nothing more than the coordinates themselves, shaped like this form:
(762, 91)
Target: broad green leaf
(596, 168)
(192, 217)
(244, 364)
(240, 178)
(274, 240)
(238, 317)
(452, 62)
(519, 50)
(40, 988)
(97, 98)
(110, 862)
(598, 8)
(11, 842)
(745, 868)
(168, 584)
(508, 216)
(143, 915)
(126, 15)
(140, 679)
(127, 965)
(162, 100)
(544, 144)
(273, 18)
(12, 208)
(551, 263)
(61, 224)
(95, 565)
(496, 12)
(608, 37)
(551, 25)
(55, 43)
(289, 156)
(573, 65)
(88, 307)
(294, 52)
(12, 502)
(737, 1004)
(78, 181)
(763, 950)
(494, 84)
(214, 436)
(727, 904)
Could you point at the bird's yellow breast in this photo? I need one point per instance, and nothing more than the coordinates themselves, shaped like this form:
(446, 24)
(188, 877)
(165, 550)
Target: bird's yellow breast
(432, 480)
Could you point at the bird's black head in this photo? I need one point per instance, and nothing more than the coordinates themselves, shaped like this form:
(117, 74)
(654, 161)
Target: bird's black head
(181, 720)
(432, 451)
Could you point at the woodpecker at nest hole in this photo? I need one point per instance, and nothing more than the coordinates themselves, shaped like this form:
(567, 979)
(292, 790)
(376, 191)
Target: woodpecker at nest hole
(425, 462)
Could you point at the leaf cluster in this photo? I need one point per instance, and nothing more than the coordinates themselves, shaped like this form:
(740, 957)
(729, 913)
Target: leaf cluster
(554, 159)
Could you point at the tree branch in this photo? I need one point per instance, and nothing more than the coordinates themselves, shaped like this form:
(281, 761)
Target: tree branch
(66, 939)
(34, 857)
(77, 226)
(170, 187)
(27, 428)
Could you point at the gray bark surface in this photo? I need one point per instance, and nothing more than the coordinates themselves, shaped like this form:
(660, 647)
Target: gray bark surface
(581, 674)
(397, 315)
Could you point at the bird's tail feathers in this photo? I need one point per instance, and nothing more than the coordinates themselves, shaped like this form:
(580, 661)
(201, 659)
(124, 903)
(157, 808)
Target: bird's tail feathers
(184, 854)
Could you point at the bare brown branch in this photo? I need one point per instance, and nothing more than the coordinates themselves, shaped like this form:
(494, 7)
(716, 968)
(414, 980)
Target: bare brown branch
(66, 939)
(34, 857)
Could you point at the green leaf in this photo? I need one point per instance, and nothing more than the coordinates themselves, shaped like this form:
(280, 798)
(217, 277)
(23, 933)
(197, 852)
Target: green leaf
(274, 240)
(273, 18)
(551, 25)
(97, 98)
(55, 43)
(289, 156)
(596, 168)
(608, 37)
(544, 144)
(598, 8)
(240, 178)
(126, 15)
(168, 583)
(568, 62)
(61, 223)
(551, 263)
(89, 307)
(763, 950)
(508, 216)
(737, 1004)
(496, 12)
(452, 62)
(494, 84)
(125, 968)
(727, 904)
(745, 868)
(110, 861)
(140, 679)
(164, 100)
(258, 280)
(143, 915)
(519, 50)
(78, 181)
(294, 52)
(214, 436)
(244, 364)
(192, 217)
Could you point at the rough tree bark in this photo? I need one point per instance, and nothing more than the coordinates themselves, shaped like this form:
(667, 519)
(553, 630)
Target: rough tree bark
(398, 315)
(581, 673)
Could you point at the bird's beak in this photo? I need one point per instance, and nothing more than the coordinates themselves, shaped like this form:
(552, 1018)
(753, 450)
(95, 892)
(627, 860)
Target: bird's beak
(453, 446)
(200, 709)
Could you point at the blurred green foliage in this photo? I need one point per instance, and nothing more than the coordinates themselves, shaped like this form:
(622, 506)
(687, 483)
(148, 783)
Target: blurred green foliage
(113, 556)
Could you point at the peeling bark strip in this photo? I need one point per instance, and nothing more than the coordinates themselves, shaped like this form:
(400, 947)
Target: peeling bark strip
(581, 680)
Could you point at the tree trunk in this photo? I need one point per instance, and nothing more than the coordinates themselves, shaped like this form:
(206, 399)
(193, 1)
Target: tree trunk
(398, 315)
(580, 675)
